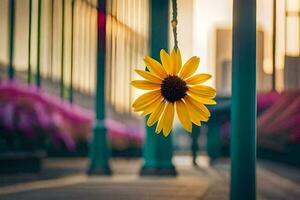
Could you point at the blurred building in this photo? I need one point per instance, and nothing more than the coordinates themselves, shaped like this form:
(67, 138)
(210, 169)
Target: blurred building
(223, 63)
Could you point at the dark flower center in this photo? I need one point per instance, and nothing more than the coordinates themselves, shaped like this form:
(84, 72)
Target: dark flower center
(173, 88)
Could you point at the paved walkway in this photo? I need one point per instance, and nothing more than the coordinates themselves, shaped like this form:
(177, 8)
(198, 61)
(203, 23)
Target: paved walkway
(65, 179)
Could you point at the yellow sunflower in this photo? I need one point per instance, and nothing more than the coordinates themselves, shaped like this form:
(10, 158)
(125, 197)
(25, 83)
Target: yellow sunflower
(171, 85)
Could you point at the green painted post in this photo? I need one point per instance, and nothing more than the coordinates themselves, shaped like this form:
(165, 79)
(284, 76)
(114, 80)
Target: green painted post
(29, 43)
(194, 145)
(243, 110)
(213, 145)
(62, 88)
(99, 151)
(11, 70)
(38, 73)
(158, 150)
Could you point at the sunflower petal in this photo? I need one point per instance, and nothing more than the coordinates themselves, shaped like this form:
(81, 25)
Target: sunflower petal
(198, 79)
(201, 99)
(203, 91)
(143, 99)
(148, 76)
(179, 59)
(150, 108)
(195, 120)
(155, 67)
(145, 85)
(183, 115)
(159, 125)
(154, 117)
(165, 120)
(169, 119)
(166, 61)
(189, 67)
(200, 106)
(176, 60)
(194, 117)
(194, 110)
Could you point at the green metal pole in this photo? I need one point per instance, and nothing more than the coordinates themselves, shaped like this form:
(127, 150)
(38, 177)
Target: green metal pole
(158, 150)
(29, 43)
(243, 110)
(38, 73)
(62, 88)
(99, 151)
(11, 70)
(194, 143)
(213, 144)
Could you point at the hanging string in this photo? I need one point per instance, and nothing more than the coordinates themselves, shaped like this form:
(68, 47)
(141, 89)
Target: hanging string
(174, 23)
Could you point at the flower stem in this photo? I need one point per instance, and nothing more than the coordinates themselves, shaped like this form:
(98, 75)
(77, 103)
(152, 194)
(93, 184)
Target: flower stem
(174, 23)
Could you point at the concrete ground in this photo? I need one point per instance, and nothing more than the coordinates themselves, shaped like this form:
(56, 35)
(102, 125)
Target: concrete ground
(66, 179)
